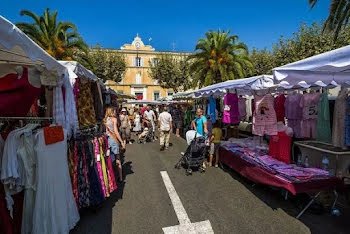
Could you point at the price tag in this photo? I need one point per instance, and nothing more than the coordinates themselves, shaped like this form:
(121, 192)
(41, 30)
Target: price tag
(98, 158)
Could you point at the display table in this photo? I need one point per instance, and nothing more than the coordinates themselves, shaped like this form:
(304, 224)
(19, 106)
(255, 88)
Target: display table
(339, 159)
(258, 174)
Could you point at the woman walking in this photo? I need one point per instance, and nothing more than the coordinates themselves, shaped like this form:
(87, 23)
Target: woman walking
(137, 121)
(111, 123)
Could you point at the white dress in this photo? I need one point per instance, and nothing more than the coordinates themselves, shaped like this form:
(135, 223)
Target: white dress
(55, 210)
(137, 127)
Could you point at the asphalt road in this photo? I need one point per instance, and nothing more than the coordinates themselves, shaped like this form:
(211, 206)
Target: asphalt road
(231, 203)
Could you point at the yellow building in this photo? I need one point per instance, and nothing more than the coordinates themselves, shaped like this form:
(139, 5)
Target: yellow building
(137, 79)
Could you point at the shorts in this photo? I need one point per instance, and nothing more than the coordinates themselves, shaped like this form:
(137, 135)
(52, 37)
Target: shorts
(214, 148)
(114, 146)
(178, 124)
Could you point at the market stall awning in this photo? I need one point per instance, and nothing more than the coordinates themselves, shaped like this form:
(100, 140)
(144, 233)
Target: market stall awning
(146, 102)
(17, 48)
(328, 68)
(184, 95)
(243, 86)
(79, 70)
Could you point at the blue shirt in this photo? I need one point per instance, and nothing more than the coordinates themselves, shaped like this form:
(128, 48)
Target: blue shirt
(200, 124)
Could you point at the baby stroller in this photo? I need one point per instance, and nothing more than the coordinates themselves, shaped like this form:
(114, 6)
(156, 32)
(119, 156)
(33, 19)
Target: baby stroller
(194, 155)
(148, 137)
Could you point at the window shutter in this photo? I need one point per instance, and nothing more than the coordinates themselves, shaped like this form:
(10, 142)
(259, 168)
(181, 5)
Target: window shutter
(134, 61)
(141, 62)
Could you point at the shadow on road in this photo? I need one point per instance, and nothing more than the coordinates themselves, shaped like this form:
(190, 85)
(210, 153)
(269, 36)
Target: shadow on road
(317, 218)
(99, 219)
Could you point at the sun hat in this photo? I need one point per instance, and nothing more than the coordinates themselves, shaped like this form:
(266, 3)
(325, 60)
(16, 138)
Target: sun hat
(123, 110)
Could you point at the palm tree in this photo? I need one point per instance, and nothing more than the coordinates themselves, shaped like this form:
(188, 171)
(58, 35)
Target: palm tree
(60, 39)
(219, 57)
(339, 15)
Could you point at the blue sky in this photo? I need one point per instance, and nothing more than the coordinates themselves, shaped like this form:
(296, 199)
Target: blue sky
(112, 23)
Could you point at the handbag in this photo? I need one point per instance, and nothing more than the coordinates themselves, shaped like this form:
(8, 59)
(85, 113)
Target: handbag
(112, 134)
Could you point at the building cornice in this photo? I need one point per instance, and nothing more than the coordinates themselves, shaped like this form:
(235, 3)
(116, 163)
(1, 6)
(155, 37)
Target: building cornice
(148, 52)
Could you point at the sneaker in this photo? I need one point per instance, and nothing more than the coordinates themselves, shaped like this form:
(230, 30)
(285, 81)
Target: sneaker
(166, 148)
(162, 148)
(216, 165)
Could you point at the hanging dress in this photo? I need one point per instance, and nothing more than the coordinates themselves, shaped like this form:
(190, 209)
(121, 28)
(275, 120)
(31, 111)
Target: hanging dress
(103, 166)
(264, 119)
(99, 166)
(55, 210)
(111, 178)
(231, 113)
(294, 113)
(338, 130)
(279, 107)
(323, 125)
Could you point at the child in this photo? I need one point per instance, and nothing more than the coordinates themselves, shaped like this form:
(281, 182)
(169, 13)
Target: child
(215, 144)
(144, 133)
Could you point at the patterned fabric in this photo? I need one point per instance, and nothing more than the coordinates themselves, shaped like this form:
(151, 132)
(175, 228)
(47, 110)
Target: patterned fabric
(338, 130)
(75, 174)
(264, 119)
(242, 107)
(96, 193)
(83, 186)
(323, 127)
(85, 106)
(72, 124)
(111, 177)
(104, 168)
(99, 166)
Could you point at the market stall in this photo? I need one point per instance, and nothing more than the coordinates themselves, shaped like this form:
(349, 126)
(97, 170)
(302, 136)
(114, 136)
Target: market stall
(35, 181)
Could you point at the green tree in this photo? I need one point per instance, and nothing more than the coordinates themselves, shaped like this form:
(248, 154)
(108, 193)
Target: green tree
(263, 61)
(171, 72)
(60, 39)
(219, 57)
(107, 65)
(306, 42)
(338, 18)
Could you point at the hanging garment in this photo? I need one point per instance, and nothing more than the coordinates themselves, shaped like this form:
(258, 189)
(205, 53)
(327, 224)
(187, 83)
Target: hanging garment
(280, 146)
(95, 188)
(83, 185)
(99, 166)
(17, 94)
(231, 113)
(104, 166)
(212, 109)
(323, 125)
(347, 123)
(309, 103)
(249, 109)
(279, 107)
(98, 104)
(111, 178)
(338, 130)
(242, 108)
(86, 111)
(294, 113)
(55, 210)
(264, 119)
(75, 173)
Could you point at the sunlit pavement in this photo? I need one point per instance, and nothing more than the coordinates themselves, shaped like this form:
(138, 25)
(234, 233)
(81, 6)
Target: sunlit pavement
(230, 203)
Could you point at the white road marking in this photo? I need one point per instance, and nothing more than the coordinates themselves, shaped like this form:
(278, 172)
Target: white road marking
(185, 225)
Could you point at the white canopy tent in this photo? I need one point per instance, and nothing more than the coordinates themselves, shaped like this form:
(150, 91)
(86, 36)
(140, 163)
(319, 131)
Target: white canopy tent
(79, 70)
(18, 49)
(141, 102)
(184, 95)
(330, 68)
(243, 86)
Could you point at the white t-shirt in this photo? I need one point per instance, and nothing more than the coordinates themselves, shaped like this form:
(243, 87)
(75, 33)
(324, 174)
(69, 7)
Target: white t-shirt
(164, 120)
(149, 115)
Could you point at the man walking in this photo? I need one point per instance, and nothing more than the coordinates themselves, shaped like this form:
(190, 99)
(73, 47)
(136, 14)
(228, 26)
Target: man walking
(165, 127)
(177, 117)
(150, 116)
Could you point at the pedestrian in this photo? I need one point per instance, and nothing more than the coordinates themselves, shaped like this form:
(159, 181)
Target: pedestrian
(165, 127)
(215, 140)
(137, 121)
(177, 118)
(125, 126)
(150, 116)
(200, 123)
(114, 138)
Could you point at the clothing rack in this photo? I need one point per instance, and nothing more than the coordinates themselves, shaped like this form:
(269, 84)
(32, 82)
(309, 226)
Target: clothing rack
(34, 119)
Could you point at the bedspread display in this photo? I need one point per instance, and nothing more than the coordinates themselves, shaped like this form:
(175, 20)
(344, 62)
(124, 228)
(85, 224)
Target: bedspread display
(256, 165)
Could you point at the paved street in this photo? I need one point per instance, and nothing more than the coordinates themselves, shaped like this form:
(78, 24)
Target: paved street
(230, 203)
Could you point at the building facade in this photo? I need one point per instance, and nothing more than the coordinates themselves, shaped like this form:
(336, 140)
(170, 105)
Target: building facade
(137, 80)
